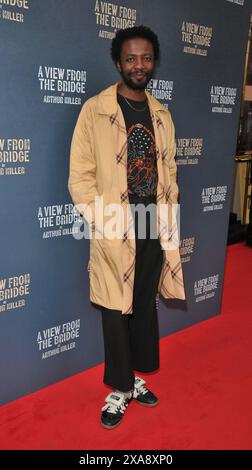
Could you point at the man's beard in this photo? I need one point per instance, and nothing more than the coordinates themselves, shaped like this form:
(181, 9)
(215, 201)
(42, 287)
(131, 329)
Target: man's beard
(134, 85)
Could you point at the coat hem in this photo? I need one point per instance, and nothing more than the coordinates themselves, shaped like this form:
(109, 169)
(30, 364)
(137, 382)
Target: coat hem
(109, 306)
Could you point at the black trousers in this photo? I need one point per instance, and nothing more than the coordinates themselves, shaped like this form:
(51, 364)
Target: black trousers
(131, 342)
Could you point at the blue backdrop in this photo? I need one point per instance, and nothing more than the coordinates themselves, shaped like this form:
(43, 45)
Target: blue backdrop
(54, 55)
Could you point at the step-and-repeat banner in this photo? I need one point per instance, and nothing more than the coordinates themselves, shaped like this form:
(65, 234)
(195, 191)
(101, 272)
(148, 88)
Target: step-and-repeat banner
(54, 55)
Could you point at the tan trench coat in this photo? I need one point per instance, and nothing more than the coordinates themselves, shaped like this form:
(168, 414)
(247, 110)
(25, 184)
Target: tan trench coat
(98, 166)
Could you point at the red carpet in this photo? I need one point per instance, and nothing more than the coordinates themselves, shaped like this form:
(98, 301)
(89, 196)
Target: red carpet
(204, 386)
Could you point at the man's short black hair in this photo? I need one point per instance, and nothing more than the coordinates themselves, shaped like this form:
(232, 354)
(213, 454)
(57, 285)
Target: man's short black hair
(132, 33)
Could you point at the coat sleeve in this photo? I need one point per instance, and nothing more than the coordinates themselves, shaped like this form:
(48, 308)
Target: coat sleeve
(82, 168)
(174, 195)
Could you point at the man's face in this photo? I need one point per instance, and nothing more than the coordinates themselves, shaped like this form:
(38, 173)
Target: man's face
(136, 63)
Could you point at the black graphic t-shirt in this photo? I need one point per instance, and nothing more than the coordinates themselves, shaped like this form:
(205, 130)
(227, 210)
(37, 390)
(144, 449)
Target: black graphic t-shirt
(141, 159)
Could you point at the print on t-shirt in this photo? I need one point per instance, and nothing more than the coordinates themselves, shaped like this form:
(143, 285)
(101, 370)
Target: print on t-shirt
(141, 164)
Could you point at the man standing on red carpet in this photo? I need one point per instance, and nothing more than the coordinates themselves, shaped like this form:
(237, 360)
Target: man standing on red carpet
(123, 151)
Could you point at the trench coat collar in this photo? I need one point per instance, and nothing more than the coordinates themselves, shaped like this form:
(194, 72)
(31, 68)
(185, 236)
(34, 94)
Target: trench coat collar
(108, 104)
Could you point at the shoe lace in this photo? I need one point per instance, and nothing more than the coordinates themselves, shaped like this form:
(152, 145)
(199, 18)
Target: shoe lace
(141, 390)
(113, 408)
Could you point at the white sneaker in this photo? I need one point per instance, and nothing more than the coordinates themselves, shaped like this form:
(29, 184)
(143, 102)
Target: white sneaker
(142, 394)
(113, 411)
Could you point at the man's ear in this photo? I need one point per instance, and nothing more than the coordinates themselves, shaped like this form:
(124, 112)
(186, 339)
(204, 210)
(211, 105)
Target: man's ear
(118, 66)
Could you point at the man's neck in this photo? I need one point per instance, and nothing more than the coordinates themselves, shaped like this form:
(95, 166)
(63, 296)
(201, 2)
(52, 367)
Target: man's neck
(137, 95)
